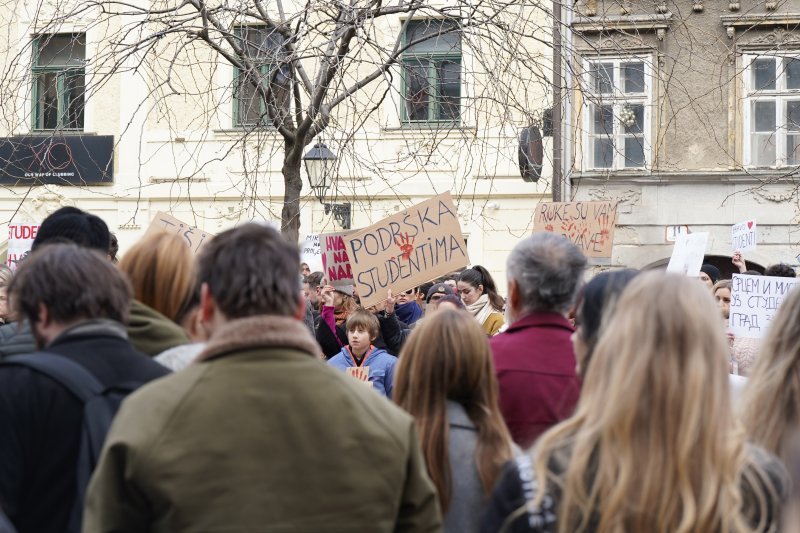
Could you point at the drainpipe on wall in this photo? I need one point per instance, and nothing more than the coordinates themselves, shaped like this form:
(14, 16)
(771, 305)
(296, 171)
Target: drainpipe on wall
(557, 184)
(567, 156)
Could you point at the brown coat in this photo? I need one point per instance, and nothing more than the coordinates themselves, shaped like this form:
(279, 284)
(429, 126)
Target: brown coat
(261, 436)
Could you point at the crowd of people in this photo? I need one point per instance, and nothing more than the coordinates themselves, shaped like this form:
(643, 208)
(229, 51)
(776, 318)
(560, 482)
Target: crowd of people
(240, 391)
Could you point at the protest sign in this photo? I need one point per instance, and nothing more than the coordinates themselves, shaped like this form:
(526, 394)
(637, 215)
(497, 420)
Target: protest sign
(407, 249)
(687, 255)
(20, 240)
(361, 373)
(743, 236)
(754, 302)
(589, 225)
(335, 262)
(195, 238)
(310, 251)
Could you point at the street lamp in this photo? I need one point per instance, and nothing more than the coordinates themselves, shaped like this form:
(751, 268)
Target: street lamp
(319, 163)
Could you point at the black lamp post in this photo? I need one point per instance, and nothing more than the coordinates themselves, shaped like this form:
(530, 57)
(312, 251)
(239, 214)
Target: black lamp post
(319, 163)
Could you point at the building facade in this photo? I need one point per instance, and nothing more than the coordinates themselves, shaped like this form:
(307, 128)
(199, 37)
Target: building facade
(165, 122)
(687, 113)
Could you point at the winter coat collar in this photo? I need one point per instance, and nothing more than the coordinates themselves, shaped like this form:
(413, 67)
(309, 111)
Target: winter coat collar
(457, 416)
(541, 319)
(264, 331)
(93, 327)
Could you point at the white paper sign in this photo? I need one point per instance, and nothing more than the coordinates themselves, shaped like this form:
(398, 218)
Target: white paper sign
(754, 302)
(310, 252)
(743, 236)
(20, 240)
(687, 255)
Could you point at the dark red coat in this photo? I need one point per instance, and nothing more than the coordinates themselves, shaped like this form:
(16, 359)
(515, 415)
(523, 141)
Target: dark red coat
(535, 368)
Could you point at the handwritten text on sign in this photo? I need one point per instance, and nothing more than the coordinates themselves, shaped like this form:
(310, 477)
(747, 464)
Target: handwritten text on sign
(407, 249)
(754, 302)
(335, 262)
(589, 225)
(743, 236)
(310, 252)
(20, 240)
(195, 238)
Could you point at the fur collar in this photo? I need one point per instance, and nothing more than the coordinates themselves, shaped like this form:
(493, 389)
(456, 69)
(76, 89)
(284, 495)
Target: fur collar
(263, 331)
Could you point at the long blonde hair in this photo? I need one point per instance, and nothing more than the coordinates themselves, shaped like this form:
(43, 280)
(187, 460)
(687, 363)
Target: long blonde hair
(448, 358)
(653, 445)
(771, 400)
(160, 268)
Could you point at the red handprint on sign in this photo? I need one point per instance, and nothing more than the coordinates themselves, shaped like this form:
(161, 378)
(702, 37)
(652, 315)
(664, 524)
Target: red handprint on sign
(406, 245)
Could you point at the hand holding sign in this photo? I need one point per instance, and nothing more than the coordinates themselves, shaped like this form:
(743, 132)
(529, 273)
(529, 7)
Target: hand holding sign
(743, 235)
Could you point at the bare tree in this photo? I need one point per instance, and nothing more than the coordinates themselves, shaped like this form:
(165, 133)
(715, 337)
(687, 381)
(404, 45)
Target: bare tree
(306, 70)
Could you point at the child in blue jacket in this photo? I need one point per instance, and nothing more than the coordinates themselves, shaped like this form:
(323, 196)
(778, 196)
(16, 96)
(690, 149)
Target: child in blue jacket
(360, 359)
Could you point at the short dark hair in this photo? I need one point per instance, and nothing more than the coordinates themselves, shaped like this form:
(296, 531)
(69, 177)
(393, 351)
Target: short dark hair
(363, 319)
(781, 270)
(113, 248)
(72, 282)
(251, 270)
(74, 225)
(314, 279)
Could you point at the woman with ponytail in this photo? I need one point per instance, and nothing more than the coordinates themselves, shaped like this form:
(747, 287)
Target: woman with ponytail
(479, 294)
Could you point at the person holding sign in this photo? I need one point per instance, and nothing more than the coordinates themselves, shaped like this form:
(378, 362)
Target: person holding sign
(360, 359)
(479, 294)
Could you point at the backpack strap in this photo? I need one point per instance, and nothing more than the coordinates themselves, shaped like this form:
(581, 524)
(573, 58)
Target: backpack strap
(68, 373)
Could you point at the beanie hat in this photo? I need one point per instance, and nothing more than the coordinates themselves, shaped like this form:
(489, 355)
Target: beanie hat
(70, 224)
(347, 290)
(711, 271)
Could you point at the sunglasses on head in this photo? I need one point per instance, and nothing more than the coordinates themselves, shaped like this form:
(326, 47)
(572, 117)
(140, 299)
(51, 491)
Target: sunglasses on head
(408, 292)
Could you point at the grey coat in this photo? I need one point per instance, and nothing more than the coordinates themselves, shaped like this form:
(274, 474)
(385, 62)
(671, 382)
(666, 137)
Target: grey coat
(468, 501)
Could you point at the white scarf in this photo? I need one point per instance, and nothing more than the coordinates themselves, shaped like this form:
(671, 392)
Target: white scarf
(481, 309)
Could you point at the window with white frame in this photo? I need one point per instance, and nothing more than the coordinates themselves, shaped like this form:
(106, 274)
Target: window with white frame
(264, 48)
(617, 94)
(772, 110)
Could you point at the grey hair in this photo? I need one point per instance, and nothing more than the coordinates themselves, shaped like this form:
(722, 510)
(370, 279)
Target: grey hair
(548, 269)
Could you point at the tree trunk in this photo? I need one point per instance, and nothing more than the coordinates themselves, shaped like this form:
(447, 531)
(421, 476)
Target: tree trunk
(293, 182)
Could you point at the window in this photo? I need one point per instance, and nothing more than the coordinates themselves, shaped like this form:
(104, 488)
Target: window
(432, 72)
(59, 81)
(617, 126)
(264, 48)
(772, 111)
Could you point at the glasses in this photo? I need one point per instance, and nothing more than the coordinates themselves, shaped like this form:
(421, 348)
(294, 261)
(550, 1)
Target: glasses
(408, 292)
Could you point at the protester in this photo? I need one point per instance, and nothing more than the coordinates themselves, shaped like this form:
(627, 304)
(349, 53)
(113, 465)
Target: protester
(479, 294)
(450, 301)
(311, 290)
(361, 359)
(68, 224)
(534, 360)
(781, 270)
(5, 280)
(305, 270)
(160, 269)
(709, 274)
(407, 310)
(258, 434)
(596, 304)
(113, 248)
(76, 302)
(653, 444)
(422, 294)
(337, 304)
(445, 379)
(181, 356)
(771, 401)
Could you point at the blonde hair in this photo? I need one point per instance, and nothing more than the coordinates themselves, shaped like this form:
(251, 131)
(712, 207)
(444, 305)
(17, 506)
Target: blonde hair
(771, 400)
(448, 358)
(159, 267)
(653, 445)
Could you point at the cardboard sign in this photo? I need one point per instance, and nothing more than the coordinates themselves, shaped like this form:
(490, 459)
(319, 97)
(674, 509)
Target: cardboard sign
(407, 249)
(688, 253)
(20, 240)
(361, 373)
(335, 261)
(589, 225)
(195, 238)
(754, 302)
(743, 236)
(310, 251)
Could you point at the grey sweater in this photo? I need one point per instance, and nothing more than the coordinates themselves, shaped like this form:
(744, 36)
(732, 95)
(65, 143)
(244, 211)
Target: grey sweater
(468, 501)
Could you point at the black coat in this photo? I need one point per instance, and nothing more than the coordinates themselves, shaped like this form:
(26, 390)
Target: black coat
(392, 335)
(40, 425)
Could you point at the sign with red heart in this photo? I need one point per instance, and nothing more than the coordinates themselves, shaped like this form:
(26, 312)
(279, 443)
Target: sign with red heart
(743, 236)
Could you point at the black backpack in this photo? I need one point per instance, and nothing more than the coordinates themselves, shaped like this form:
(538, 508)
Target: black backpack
(100, 404)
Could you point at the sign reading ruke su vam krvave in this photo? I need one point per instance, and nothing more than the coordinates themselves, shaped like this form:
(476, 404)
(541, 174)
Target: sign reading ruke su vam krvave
(195, 238)
(406, 249)
(589, 225)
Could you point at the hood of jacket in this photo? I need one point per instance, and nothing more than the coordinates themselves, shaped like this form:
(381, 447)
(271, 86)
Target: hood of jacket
(151, 332)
